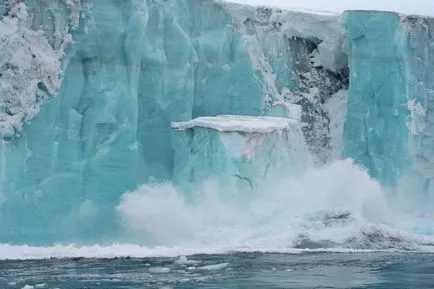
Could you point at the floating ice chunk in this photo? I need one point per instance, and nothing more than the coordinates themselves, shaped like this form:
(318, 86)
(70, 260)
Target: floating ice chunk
(159, 270)
(184, 261)
(181, 260)
(213, 267)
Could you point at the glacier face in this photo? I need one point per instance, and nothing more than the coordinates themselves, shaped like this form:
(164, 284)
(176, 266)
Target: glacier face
(389, 125)
(89, 89)
(124, 71)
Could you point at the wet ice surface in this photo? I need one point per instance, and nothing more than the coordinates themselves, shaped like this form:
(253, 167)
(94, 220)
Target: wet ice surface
(321, 270)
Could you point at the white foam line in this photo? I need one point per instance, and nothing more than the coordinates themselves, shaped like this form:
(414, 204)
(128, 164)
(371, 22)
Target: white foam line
(25, 252)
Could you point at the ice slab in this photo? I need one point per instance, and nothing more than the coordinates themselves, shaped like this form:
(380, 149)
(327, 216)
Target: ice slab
(243, 149)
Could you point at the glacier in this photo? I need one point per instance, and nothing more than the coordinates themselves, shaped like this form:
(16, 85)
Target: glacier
(100, 97)
(127, 71)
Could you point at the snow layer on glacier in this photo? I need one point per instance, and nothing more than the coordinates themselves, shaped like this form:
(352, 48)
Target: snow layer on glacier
(234, 123)
(419, 7)
(242, 149)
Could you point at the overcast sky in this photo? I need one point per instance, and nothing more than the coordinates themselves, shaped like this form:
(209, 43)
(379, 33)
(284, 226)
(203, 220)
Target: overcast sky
(423, 7)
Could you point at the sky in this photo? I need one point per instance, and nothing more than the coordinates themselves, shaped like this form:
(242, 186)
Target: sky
(422, 7)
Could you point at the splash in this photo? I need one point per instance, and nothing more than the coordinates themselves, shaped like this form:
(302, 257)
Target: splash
(338, 206)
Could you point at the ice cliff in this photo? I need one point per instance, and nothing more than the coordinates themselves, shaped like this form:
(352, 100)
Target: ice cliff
(389, 128)
(89, 89)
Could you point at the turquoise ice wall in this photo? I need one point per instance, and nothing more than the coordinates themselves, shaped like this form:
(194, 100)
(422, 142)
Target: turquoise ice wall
(376, 129)
(389, 125)
(133, 67)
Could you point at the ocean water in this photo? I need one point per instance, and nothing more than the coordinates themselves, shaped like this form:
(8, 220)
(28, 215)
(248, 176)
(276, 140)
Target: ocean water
(239, 270)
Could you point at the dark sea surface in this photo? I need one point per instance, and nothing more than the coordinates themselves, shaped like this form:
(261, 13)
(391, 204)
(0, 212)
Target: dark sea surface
(253, 270)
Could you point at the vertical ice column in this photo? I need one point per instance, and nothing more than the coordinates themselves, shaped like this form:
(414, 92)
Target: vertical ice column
(420, 93)
(389, 126)
(2, 171)
(376, 134)
(238, 149)
(165, 89)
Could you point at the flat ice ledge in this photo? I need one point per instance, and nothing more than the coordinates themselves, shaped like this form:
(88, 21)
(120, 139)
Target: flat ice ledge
(237, 123)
